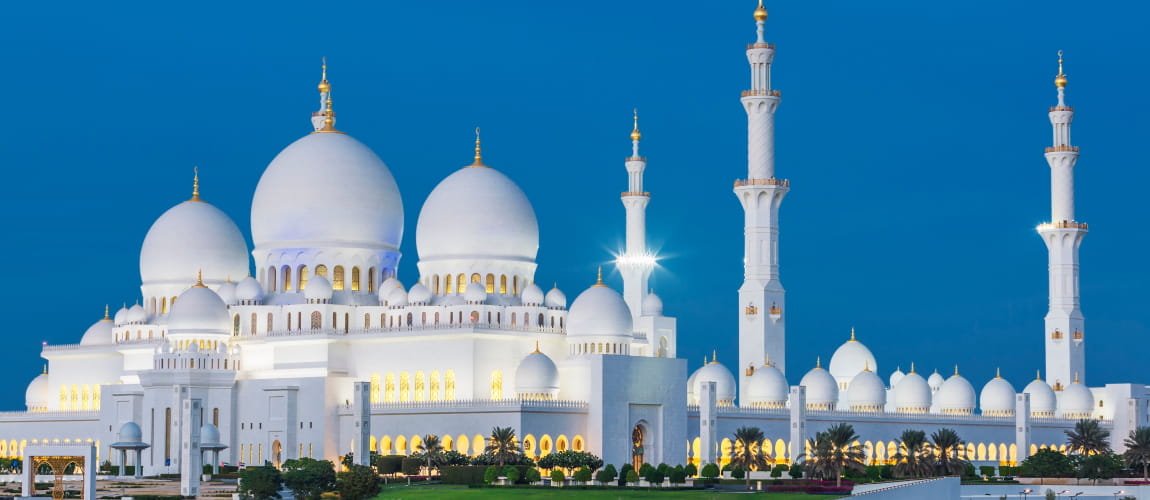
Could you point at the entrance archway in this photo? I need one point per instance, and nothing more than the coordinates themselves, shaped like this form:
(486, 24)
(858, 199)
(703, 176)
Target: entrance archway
(638, 445)
(277, 453)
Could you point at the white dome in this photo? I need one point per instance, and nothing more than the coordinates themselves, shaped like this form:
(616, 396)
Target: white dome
(227, 292)
(850, 359)
(130, 433)
(710, 372)
(896, 377)
(477, 213)
(121, 316)
(692, 398)
(556, 299)
(100, 333)
(191, 237)
(1076, 401)
(532, 295)
(822, 390)
(537, 377)
(1042, 399)
(136, 314)
(419, 294)
(911, 394)
(475, 293)
(766, 388)
(956, 397)
(599, 312)
(652, 305)
(387, 286)
(397, 297)
(249, 290)
(199, 310)
(209, 434)
(39, 393)
(866, 392)
(318, 289)
(997, 398)
(327, 190)
(935, 381)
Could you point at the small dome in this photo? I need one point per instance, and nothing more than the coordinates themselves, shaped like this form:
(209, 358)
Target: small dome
(249, 290)
(537, 377)
(911, 394)
(100, 333)
(599, 312)
(556, 299)
(997, 398)
(39, 393)
(318, 289)
(822, 390)
(191, 238)
(1076, 401)
(692, 398)
(387, 285)
(711, 372)
(209, 434)
(766, 388)
(397, 297)
(532, 295)
(935, 381)
(1042, 399)
(419, 294)
(136, 315)
(475, 293)
(199, 310)
(896, 377)
(652, 305)
(956, 397)
(227, 292)
(866, 392)
(121, 316)
(130, 433)
(850, 359)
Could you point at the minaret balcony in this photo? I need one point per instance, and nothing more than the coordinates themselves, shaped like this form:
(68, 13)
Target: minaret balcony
(644, 194)
(1062, 108)
(762, 182)
(762, 92)
(637, 158)
(1060, 148)
(760, 45)
(1063, 224)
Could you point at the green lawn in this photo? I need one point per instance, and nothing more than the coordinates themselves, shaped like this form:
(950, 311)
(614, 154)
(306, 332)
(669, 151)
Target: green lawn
(436, 492)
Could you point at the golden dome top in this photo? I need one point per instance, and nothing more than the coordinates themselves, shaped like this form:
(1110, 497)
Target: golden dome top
(1060, 80)
(760, 12)
(324, 87)
(635, 135)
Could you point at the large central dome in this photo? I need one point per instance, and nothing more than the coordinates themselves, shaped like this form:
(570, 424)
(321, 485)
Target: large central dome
(477, 212)
(327, 190)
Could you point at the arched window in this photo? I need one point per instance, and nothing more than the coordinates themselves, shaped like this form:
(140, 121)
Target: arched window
(540, 324)
(408, 319)
(289, 321)
(423, 318)
(434, 392)
(449, 385)
(435, 284)
(271, 322)
(337, 278)
(86, 397)
(476, 278)
(321, 270)
(371, 280)
(503, 284)
(375, 388)
(355, 279)
(490, 283)
(496, 384)
(272, 280)
(346, 321)
(449, 284)
(515, 285)
(235, 326)
(164, 305)
(152, 308)
(389, 388)
(366, 321)
(334, 320)
(420, 387)
(512, 319)
(287, 278)
(405, 386)
(461, 280)
(255, 319)
(474, 316)
(437, 318)
(316, 320)
(302, 277)
(552, 322)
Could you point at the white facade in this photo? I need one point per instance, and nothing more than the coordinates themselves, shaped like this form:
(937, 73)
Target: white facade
(323, 350)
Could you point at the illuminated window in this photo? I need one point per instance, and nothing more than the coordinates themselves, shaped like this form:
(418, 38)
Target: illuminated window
(449, 284)
(366, 321)
(346, 321)
(462, 280)
(474, 316)
(216, 417)
(389, 388)
(420, 387)
(316, 320)
(449, 385)
(287, 278)
(255, 324)
(164, 305)
(96, 397)
(271, 322)
(515, 285)
(321, 270)
(337, 278)
(302, 277)
(496, 384)
(503, 284)
(435, 284)
(355, 279)
(476, 278)
(434, 386)
(437, 318)
(371, 280)
(408, 319)
(490, 283)
(375, 388)
(404, 386)
(272, 279)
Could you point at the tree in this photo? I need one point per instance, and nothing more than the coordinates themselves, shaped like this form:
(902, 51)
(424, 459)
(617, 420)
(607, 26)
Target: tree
(570, 459)
(632, 476)
(1047, 463)
(678, 475)
(1138, 450)
(260, 483)
(557, 476)
(913, 458)
(710, 471)
(532, 475)
(357, 483)
(502, 444)
(431, 448)
(691, 470)
(834, 451)
(623, 473)
(511, 473)
(796, 471)
(947, 447)
(583, 474)
(654, 475)
(604, 476)
(491, 474)
(1099, 466)
(308, 478)
(1088, 438)
(747, 454)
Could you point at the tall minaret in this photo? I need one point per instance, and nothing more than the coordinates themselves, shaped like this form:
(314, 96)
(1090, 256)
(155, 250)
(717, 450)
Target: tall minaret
(1065, 358)
(636, 263)
(761, 307)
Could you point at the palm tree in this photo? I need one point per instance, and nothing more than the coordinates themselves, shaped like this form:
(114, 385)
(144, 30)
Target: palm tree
(1138, 450)
(1088, 438)
(431, 448)
(948, 446)
(748, 454)
(912, 459)
(833, 451)
(502, 444)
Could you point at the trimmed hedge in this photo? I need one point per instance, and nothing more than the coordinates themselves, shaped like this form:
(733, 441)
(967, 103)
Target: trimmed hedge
(473, 474)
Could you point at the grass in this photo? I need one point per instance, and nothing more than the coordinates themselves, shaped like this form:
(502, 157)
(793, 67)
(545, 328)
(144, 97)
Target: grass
(437, 492)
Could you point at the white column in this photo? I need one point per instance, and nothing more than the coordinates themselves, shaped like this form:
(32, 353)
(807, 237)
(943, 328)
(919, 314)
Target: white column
(190, 457)
(798, 422)
(361, 409)
(708, 428)
(1022, 425)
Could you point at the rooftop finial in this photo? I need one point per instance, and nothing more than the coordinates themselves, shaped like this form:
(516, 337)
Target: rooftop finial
(45, 368)
(1076, 378)
(478, 151)
(200, 279)
(324, 87)
(537, 348)
(635, 135)
(853, 334)
(106, 317)
(819, 362)
(599, 279)
(760, 12)
(767, 360)
(1038, 375)
(329, 117)
(866, 365)
(1060, 80)
(912, 366)
(956, 370)
(714, 356)
(998, 372)
(195, 184)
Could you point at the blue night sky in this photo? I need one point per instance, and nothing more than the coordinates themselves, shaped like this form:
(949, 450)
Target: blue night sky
(912, 133)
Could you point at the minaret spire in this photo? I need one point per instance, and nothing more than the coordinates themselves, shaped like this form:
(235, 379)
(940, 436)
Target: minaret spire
(324, 119)
(761, 194)
(478, 151)
(1063, 236)
(635, 263)
(195, 184)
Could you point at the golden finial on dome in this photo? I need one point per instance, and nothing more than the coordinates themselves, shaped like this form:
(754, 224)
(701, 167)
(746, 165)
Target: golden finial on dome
(998, 372)
(853, 334)
(866, 365)
(199, 279)
(635, 135)
(324, 87)
(1076, 378)
(1038, 375)
(1060, 80)
(478, 151)
(195, 184)
(714, 356)
(761, 12)
(106, 317)
(767, 360)
(956, 370)
(45, 368)
(599, 279)
(537, 348)
(329, 118)
(819, 363)
(912, 366)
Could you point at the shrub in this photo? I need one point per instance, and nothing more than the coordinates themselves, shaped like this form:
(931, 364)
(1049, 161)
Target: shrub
(532, 475)
(886, 471)
(557, 476)
(388, 464)
(691, 470)
(308, 478)
(796, 471)
(358, 483)
(710, 471)
(678, 475)
(738, 473)
(664, 469)
(632, 476)
(491, 474)
(986, 470)
(654, 475)
(645, 469)
(410, 466)
(623, 473)
(462, 474)
(511, 473)
(583, 474)
(873, 473)
(968, 471)
(570, 459)
(260, 483)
